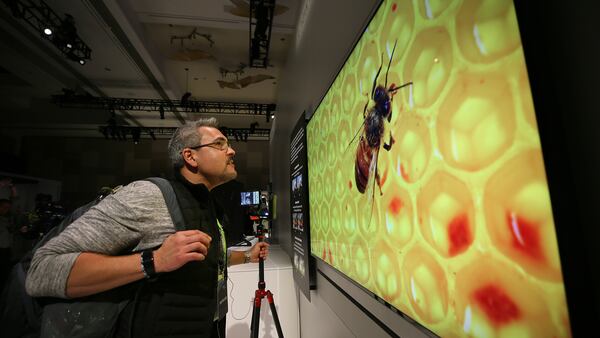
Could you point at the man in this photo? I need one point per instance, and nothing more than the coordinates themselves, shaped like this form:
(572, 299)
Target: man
(186, 299)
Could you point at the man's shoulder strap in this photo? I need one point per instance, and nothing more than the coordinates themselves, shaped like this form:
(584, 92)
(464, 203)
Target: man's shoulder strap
(171, 200)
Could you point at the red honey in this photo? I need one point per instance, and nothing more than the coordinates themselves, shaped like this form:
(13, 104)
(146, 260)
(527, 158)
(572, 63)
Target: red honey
(445, 210)
(493, 299)
(519, 215)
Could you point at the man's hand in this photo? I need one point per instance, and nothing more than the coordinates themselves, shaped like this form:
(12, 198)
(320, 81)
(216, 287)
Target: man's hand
(260, 249)
(180, 248)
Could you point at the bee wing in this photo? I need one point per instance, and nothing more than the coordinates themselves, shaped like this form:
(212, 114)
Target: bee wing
(362, 125)
(370, 192)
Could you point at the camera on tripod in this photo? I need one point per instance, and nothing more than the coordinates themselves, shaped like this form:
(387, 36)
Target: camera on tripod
(259, 213)
(257, 203)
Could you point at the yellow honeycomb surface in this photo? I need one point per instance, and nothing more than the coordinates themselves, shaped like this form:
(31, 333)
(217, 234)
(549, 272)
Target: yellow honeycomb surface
(460, 237)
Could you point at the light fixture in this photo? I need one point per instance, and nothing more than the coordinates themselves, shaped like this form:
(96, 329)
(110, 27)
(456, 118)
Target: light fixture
(61, 32)
(82, 62)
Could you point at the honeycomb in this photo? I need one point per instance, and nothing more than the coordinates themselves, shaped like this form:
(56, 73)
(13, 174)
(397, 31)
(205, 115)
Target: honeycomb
(461, 236)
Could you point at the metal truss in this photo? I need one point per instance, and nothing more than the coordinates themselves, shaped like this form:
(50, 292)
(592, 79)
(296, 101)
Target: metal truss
(261, 22)
(207, 107)
(135, 133)
(61, 32)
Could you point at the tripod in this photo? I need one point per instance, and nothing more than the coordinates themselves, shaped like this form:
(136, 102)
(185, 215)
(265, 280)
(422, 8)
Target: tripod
(260, 293)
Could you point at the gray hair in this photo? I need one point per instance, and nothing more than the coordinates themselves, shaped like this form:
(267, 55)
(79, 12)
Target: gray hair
(188, 135)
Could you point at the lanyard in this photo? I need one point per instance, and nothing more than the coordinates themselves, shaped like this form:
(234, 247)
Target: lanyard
(222, 267)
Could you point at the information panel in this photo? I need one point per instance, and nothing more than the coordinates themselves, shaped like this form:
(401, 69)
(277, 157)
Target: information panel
(304, 272)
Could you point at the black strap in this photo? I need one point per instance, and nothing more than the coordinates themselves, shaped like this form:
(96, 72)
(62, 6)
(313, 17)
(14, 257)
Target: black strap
(171, 201)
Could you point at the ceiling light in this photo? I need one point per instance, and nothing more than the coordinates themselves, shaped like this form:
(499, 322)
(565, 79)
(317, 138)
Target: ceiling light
(47, 31)
(69, 45)
(82, 62)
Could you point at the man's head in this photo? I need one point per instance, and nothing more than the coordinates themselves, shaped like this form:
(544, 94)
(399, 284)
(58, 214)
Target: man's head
(4, 206)
(202, 153)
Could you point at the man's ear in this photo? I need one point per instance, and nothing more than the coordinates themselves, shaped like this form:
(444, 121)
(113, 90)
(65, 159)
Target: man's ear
(188, 157)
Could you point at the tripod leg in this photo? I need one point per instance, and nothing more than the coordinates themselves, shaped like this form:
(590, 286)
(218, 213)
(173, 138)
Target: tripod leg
(255, 315)
(274, 313)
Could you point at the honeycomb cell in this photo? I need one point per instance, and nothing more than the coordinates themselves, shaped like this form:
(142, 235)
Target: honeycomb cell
(386, 271)
(360, 260)
(350, 224)
(336, 108)
(445, 210)
(487, 30)
(494, 300)
(426, 285)
(334, 215)
(412, 149)
(476, 123)
(398, 215)
(332, 141)
(370, 60)
(324, 220)
(320, 160)
(367, 212)
(331, 246)
(349, 94)
(398, 29)
(340, 187)
(344, 257)
(519, 215)
(432, 9)
(428, 65)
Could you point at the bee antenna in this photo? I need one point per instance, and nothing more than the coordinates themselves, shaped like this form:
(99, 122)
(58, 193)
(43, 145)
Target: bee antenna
(390, 63)
(376, 76)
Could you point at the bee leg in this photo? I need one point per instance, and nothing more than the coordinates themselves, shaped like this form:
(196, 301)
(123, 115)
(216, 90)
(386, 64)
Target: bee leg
(365, 110)
(378, 181)
(389, 118)
(388, 146)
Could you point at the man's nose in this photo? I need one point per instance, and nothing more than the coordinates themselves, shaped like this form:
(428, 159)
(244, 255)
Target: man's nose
(231, 151)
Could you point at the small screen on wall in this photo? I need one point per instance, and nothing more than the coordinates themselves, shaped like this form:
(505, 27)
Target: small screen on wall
(427, 184)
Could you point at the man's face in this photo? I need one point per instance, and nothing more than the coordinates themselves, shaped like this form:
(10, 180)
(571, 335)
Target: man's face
(214, 164)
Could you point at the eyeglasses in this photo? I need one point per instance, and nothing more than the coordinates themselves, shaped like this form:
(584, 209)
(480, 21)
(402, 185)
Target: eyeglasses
(219, 144)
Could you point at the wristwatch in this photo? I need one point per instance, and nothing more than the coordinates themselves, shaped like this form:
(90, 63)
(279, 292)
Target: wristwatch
(148, 263)
(247, 256)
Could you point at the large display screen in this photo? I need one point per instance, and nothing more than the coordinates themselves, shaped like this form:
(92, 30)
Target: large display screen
(426, 180)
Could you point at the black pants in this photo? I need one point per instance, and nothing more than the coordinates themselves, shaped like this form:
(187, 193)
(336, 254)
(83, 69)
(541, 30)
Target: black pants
(218, 330)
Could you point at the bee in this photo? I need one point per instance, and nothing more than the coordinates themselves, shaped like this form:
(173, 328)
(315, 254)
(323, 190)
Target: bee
(373, 129)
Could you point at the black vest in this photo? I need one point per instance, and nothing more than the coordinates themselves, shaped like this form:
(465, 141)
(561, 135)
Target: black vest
(182, 303)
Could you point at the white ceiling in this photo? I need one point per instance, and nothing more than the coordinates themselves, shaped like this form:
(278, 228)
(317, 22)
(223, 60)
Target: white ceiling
(134, 55)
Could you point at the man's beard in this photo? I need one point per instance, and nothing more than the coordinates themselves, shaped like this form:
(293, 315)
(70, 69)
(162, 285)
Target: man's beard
(230, 175)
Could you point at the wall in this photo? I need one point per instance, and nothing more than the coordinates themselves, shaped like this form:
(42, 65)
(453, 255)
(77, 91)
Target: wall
(562, 58)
